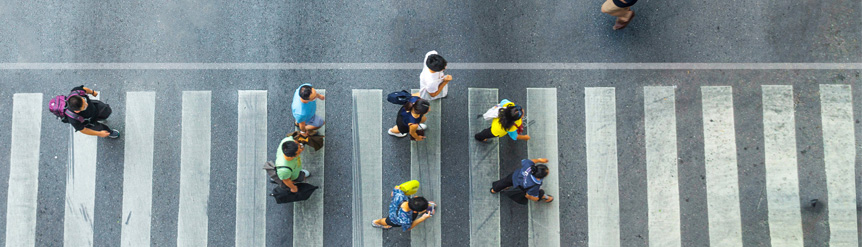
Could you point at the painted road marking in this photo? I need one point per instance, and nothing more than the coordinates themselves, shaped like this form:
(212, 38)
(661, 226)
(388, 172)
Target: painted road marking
(24, 169)
(541, 113)
(782, 180)
(425, 167)
(603, 203)
(251, 151)
(661, 160)
(839, 154)
(192, 219)
(80, 189)
(308, 215)
(138, 169)
(419, 66)
(484, 170)
(367, 166)
(722, 184)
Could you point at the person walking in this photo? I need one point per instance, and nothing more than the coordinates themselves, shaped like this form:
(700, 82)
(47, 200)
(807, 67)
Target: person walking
(84, 114)
(622, 10)
(528, 182)
(433, 84)
(411, 118)
(304, 108)
(507, 121)
(403, 211)
(288, 164)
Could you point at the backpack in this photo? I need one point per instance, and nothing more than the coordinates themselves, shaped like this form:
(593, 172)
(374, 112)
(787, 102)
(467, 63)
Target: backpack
(57, 106)
(399, 98)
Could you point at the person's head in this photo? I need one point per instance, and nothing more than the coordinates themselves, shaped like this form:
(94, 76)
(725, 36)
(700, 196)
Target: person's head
(539, 171)
(421, 106)
(509, 115)
(418, 204)
(76, 103)
(436, 63)
(291, 149)
(307, 93)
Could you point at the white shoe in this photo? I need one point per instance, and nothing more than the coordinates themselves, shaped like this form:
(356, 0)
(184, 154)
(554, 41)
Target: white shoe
(422, 126)
(399, 135)
(307, 173)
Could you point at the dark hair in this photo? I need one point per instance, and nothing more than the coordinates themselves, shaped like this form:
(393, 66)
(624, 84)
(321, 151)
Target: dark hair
(421, 106)
(75, 103)
(289, 148)
(305, 92)
(539, 171)
(418, 204)
(435, 62)
(508, 116)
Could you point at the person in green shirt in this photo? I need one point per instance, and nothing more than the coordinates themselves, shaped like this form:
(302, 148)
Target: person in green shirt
(288, 164)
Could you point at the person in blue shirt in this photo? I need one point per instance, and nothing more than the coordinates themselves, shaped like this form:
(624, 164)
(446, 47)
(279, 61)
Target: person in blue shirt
(304, 108)
(526, 178)
(403, 211)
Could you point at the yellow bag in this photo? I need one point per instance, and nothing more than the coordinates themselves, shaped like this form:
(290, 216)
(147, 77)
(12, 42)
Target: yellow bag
(409, 187)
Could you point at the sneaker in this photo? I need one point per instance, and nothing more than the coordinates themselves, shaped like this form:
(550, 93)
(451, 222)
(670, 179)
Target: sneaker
(422, 126)
(272, 181)
(307, 173)
(399, 135)
(375, 225)
(114, 134)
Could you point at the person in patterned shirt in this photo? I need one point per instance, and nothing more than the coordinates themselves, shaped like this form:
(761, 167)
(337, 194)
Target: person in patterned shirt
(403, 211)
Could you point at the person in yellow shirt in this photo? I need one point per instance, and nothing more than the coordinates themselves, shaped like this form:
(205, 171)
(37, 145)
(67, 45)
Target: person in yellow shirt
(508, 120)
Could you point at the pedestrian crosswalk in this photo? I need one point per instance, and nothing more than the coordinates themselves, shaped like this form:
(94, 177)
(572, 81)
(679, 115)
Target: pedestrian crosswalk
(369, 199)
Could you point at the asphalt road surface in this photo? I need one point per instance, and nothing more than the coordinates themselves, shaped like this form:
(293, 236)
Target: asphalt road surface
(670, 157)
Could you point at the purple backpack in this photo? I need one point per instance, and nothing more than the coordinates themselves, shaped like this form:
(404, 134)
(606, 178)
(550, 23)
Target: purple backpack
(57, 105)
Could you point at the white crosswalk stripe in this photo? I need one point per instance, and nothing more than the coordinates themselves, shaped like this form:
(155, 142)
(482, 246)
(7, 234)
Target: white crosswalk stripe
(138, 169)
(661, 163)
(782, 180)
(80, 189)
(367, 167)
(722, 186)
(308, 215)
(839, 154)
(484, 169)
(23, 169)
(425, 167)
(544, 218)
(251, 152)
(603, 185)
(192, 222)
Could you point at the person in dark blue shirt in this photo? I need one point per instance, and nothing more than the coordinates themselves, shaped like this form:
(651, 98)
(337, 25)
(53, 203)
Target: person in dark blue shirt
(526, 178)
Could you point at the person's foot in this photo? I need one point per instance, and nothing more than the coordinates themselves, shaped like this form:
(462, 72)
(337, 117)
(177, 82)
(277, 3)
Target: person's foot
(623, 24)
(307, 173)
(492, 191)
(422, 126)
(375, 225)
(114, 134)
(399, 135)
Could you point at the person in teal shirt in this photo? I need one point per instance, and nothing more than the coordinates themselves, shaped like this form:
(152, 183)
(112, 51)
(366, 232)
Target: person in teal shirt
(288, 164)
(304, 107)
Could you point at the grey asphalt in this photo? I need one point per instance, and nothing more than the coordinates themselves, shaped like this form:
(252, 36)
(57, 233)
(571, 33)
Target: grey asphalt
(402, 31)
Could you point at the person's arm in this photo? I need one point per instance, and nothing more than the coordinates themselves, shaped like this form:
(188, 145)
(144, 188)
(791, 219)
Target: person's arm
(419, 220)
(539, 160)
(523, 137)
(290, 185)
(440, 87)
(88, 131)
(90, 91)
(321, 96)
(413, 133)
(532, 198)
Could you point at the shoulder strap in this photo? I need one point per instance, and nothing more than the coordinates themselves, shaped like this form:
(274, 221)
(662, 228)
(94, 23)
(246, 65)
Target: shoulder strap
(279, 167)
(73, 115)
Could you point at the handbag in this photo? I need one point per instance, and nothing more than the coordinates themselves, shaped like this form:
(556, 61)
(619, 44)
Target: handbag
(518, 194)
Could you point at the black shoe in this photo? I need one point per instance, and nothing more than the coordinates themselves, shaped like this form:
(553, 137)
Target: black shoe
(114, 134)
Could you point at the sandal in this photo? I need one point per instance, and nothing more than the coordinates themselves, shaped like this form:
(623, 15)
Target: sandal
(620, 25)
(492, 191)
(375, 225)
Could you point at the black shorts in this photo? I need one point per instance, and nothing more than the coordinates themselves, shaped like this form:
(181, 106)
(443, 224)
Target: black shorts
(403, 128)
(628, 3)
(484, 134)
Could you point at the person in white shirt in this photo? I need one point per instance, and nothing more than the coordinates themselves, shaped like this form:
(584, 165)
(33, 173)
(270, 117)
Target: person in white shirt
(433, 84)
